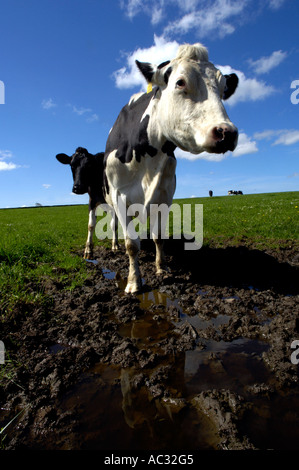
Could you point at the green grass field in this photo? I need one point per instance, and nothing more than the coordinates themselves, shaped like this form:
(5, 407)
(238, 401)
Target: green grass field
(43, 242)
(265, 219)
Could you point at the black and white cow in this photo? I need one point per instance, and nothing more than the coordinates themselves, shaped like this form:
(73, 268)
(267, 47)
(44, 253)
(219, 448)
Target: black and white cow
(236, 193)
(87, 170)
(184, 110)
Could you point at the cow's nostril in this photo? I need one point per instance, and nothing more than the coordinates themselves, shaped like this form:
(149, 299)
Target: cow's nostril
(218, 133)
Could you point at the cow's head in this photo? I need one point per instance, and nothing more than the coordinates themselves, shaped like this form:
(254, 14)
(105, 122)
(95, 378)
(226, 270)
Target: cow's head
(189, 108)
(81, 163)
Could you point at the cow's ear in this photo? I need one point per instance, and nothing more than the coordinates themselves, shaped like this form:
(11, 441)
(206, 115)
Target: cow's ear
(231, 85)
(157, 75)
(146, 69)
(63, 158)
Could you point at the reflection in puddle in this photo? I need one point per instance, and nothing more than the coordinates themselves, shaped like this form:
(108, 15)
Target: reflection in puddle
(123, 408)
(118, 413)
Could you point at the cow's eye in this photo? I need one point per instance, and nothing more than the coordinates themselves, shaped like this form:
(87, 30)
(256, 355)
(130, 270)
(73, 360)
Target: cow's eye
(180, 83)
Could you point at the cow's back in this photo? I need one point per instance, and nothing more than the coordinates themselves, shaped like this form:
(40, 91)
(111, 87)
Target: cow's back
(129, 135)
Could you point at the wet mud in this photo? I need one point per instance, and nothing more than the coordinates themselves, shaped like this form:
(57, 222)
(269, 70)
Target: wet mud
(200, 360)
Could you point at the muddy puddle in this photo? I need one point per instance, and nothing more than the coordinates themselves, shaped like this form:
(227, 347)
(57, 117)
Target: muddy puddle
(114, 413)
(182, 366)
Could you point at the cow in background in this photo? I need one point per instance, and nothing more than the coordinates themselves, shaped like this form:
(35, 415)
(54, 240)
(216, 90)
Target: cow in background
(87, 171)
(236, 193)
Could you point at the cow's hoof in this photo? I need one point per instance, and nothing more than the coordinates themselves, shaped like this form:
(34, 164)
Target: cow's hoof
(115, 247)
(163, 271)
(88, 255)
(133, 288)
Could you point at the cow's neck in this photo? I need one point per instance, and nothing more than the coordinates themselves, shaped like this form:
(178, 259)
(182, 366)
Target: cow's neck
(155, 132)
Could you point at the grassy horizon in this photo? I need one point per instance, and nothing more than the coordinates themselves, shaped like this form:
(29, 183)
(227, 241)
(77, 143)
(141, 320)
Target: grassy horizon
(41, 243)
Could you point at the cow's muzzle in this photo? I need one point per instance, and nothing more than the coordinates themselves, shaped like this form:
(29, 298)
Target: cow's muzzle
(79, 189)
(222, 138)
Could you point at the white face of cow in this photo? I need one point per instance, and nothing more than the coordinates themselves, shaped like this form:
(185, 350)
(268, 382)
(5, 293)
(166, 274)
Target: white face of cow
(189, 111)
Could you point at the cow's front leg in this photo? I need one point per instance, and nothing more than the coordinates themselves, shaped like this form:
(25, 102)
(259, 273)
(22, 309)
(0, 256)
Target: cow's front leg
(88, 253)
(134, 283)
(161, 267)
(132, 243)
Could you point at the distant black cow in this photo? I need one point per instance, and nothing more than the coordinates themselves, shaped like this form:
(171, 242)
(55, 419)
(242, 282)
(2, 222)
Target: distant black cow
(210, 193)
(87, 170)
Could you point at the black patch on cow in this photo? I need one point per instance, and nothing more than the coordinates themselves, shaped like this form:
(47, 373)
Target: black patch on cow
(167, 75)
(163, 64)
(169, 148)
(129, 133)
(143, 147)
(232, 81)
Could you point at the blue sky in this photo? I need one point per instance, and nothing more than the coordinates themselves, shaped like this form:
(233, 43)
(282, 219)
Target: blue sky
(67, 68)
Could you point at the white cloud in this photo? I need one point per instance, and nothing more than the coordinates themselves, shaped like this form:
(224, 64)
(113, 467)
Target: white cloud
(132, 7)
(81, 111)
(216, 19)
(265, 64)
(197, 15)
(157, 15)
(213, 157)
(7, 166)
(87, 112)
(5, 154)
(4, 166)
(280, 136)
(47, 186)
(48, 104)
(153, 8)
(265, 135)
(92, 118)
(249, 89)
(204, 17)
(245, 146)
(275, 4)
(129, 76)
(288, 138)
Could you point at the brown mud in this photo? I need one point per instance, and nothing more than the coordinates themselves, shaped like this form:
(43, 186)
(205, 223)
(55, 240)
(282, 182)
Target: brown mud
(200, 360)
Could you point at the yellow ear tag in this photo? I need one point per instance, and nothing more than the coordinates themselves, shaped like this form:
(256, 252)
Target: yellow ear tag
(149, 88)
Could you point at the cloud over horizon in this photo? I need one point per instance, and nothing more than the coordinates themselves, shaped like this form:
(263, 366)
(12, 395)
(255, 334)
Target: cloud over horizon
(7, 166)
